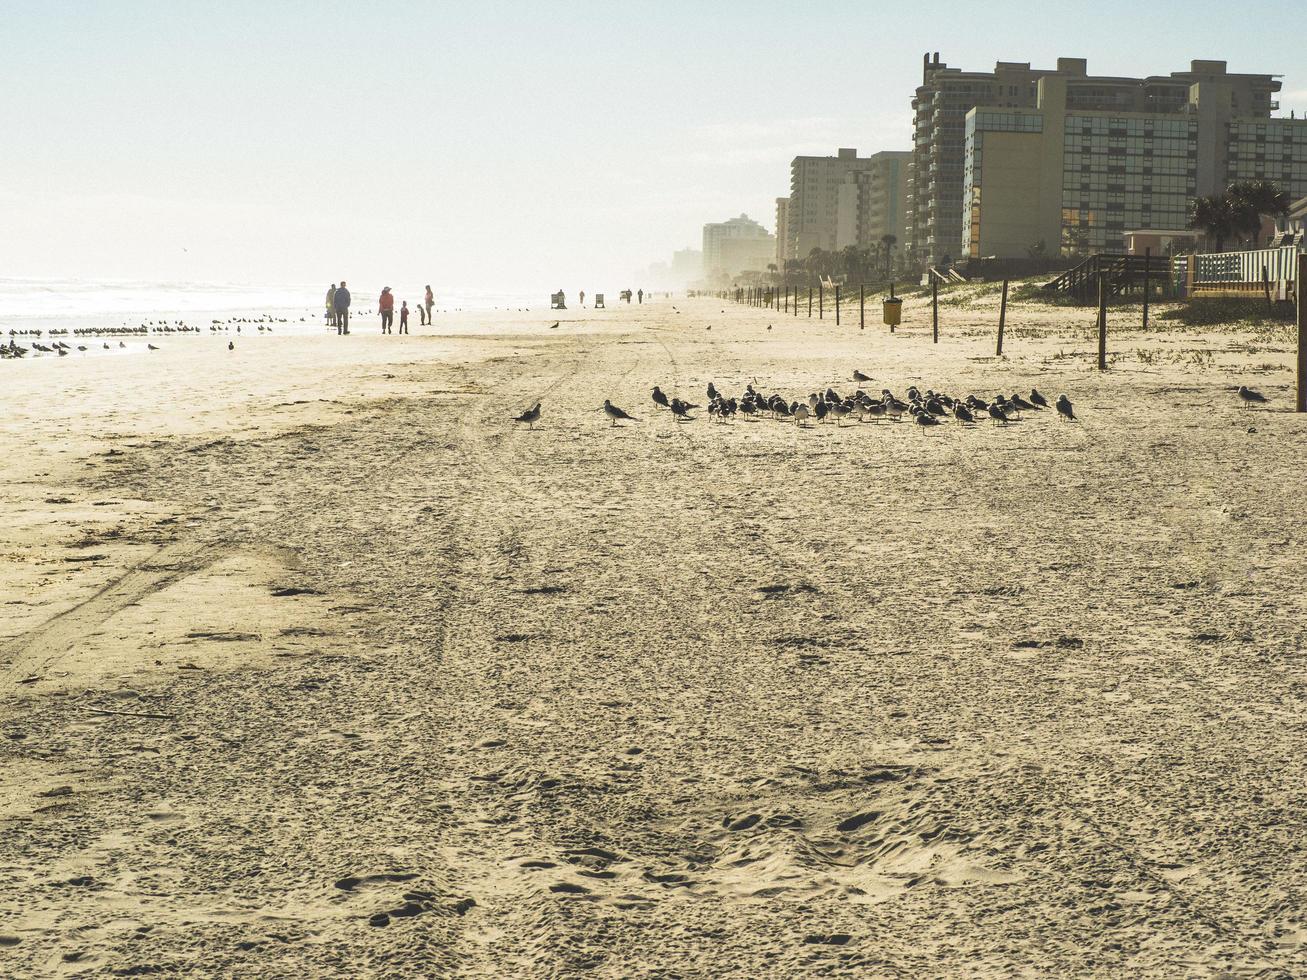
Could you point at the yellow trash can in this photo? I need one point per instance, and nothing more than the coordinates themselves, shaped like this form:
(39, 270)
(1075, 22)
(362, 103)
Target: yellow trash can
(893, 311)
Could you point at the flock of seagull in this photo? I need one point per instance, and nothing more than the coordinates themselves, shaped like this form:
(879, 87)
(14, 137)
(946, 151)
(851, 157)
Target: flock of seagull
(925, 408)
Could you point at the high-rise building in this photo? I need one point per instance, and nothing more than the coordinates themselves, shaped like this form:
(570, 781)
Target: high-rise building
(782, 231)
(1077, 180)
(735, 246)
(871, 203)
(812, 214)
(946, 95)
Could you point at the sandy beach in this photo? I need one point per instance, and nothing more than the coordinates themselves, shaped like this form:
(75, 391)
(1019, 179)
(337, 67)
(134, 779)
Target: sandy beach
(315, 664)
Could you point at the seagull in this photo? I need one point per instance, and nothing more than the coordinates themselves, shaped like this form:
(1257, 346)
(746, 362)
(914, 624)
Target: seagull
(997, 414)
(859, 376)
(151, 346)
(924, 418)
(659, 398)
(681, 410)
(231, 345)
(614, 413)
(1038, 399)
(801, 414)
(1064, 408)
(962, 413)
(1251, 397)
(1021, 404)
(531, 416)
(554, 325)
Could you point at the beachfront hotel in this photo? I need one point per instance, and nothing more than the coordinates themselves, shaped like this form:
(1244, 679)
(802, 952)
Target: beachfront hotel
(735, 246)
(1081, 180)
(871, 203)
(937, 210)
(812, 214)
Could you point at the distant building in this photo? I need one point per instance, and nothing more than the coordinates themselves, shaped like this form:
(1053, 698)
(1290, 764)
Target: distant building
(1077, 179)
(687, 265)
(735, 246)
(871, 203)
(813, 210)
(946, 95)
(782, 231)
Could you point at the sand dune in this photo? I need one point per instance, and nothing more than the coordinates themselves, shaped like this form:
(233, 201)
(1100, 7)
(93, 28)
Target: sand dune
(314, 664)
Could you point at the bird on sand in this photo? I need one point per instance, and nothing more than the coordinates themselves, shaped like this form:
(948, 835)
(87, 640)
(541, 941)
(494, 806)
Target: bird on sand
(615, 414)
(996, 413)
(1038, 399)
(659, 398)
(859, 376)
(231, 345)
(681, 410)
(1064, 409)
(151, 346)
(962, 413)
(554, 325)
(1251, 397)
(531, 416)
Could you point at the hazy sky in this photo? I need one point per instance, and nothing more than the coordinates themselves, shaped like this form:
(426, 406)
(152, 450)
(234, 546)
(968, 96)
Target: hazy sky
(491, 144)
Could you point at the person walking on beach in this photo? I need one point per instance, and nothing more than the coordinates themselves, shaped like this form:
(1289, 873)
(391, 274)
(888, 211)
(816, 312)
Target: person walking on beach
(403, 317)
(428, 301)
(340, 303)
(386, 304)
(640, 293)
(331, 304)
(583, 299)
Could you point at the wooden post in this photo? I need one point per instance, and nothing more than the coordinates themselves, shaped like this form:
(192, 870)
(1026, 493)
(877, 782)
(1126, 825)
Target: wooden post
(1102, 321)
(862, 307)
(934, 306)
(891, 296)
(1148, 281)
(821, 301)
(809, 302)
(1300, 291)
(837, 305)
(1002, 320)
(1266, 287)
(787, 299)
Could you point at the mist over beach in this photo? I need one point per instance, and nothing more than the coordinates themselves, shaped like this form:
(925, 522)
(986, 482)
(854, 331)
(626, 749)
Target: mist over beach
(678, 491)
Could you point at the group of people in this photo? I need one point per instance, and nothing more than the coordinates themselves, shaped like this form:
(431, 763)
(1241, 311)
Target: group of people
(338, 300)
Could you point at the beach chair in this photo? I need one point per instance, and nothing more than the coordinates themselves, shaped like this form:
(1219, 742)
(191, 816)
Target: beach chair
(556, 301)
(599, 301)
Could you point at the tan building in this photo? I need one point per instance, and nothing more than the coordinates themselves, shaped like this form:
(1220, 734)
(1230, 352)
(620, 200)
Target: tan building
(872, 202)
(735, 246)
(946, 95)
(812, 213)
(1078, 179)
(782, 230)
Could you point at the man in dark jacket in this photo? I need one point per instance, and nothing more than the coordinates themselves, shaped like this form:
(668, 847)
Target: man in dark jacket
(342, 308)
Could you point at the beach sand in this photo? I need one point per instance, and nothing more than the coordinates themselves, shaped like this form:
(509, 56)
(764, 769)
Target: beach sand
(314, 664)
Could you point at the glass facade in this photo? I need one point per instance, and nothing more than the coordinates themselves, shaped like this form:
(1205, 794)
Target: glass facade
(1121, 173)
(1269, 149)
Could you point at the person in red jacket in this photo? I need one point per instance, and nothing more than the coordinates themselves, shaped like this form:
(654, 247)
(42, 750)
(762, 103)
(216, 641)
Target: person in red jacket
(386, 304)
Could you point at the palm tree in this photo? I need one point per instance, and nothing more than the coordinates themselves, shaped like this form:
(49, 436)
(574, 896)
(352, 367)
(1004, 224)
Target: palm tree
(1218, 217)
(1254, 198)
(889, 241)
(771, 268)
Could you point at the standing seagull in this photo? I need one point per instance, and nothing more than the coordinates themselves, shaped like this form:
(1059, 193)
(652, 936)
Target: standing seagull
(1064, 408)
(1038, 399)
(659, 398)
(615, 414)
(1250, 397)
(531, 416)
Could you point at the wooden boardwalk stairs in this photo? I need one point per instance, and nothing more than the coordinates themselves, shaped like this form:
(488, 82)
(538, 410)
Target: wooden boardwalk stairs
(1124, 275)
